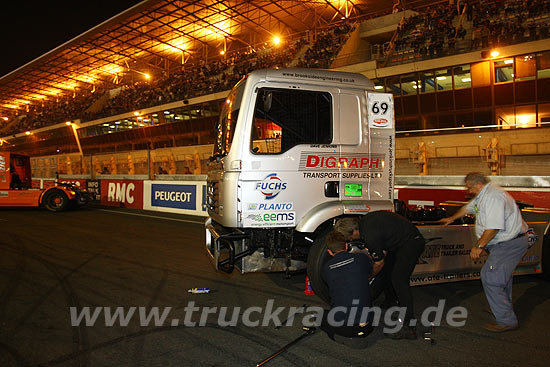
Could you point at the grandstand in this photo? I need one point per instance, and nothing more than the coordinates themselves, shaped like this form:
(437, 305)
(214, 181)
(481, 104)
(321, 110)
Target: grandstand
(143, 89)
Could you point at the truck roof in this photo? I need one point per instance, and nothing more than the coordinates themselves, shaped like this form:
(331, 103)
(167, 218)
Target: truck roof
(314, 76)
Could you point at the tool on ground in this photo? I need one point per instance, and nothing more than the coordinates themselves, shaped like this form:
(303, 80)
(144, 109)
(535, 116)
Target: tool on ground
(307, 332)
(304, 306)
(428, 335)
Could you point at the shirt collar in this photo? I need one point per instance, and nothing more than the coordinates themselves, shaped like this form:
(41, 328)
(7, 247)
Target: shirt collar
(483, 191)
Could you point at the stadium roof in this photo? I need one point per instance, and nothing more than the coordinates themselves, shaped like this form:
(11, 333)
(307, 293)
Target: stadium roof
(158, 36)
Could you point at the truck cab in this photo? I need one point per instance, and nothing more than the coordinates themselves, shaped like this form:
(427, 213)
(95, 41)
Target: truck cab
(295, 149)
(16, 187)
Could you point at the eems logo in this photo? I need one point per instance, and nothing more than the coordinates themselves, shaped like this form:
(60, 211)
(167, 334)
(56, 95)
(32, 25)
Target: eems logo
(271, 186)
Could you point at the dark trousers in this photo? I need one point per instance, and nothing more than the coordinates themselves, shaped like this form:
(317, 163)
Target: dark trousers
(396, 273)
(353, 331)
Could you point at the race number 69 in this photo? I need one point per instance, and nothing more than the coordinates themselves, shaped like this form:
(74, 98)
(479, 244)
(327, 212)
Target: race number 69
(380, 112)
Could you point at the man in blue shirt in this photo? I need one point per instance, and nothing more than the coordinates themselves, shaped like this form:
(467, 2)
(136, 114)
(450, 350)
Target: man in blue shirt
(389, 236)
(500, 230)
(347, 278)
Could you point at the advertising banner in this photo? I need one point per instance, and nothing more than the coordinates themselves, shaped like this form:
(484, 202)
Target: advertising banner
(122, 193)
(94, 189)
(183, 197)
(174, 196)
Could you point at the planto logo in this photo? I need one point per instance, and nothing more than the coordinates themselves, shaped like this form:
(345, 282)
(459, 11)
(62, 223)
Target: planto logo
(270, 206)
(271, 186)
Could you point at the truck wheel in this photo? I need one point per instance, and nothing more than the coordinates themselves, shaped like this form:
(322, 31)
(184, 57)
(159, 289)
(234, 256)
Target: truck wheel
(316, 258)
(545, 258)
(55, 201)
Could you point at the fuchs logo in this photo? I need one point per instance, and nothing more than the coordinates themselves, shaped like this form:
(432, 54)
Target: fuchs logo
(271, 186)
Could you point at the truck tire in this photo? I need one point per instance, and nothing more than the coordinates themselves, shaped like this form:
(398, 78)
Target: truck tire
(545, 258)
(55, 201)
(316, 258)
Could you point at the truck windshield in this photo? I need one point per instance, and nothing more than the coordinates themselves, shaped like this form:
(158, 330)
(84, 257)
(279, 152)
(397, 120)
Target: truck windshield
(228, 119)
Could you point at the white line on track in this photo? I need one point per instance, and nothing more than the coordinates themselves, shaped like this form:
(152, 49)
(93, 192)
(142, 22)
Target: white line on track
(152, 216)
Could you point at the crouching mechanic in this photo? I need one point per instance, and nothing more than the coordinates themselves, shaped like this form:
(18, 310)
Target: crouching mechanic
(386, 234)
(347, 277)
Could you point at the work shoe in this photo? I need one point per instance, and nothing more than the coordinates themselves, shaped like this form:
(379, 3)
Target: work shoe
(498, 328)
(406, 332)
(389, 304)
(355, 342)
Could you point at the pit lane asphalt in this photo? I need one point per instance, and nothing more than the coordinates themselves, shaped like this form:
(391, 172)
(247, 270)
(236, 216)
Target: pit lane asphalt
(106, 257)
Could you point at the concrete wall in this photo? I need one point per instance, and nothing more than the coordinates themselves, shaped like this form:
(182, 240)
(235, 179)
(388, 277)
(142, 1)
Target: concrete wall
(523, 152)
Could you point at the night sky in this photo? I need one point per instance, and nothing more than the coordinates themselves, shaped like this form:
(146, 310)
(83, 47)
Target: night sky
(29, 29)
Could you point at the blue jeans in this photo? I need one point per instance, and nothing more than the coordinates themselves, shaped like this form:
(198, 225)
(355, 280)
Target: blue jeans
(496, 277)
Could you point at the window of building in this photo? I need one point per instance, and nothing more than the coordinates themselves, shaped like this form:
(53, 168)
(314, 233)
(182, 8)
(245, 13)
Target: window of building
(504, 71)
(393, 85)
(462, 77)
(481, 74)
(526, 67)
(426, 83)
(443, 79)
(378, 85)
(285, 118)
(526, 116)
(409, 84)
(543, 65)
(505, 117)
(543, 115)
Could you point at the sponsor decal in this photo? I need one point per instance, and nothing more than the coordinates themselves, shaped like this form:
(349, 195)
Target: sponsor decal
(3, 194)
(94, 189)
(531, 237)
(442, 277)
(356, 208)
(76, 182)
(270, 219)
(338, 175)
(380, 113)
(122, 193)
(2, 168)
(174, 196)
(435, 251)
(269, 206)
(327, 161)
(530, 258)
(271, 186)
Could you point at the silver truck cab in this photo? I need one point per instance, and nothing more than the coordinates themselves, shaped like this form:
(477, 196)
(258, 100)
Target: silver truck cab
(295, 149)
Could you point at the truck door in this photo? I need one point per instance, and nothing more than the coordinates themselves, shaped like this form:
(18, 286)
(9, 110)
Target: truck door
(366, 152)
(289, 156)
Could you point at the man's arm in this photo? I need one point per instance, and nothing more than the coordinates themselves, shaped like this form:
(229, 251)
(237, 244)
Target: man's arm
(376, 267)
(485, 238)
(459, 214)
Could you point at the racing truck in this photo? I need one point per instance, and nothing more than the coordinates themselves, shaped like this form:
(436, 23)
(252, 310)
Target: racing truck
(16, 187)
(297, 149)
